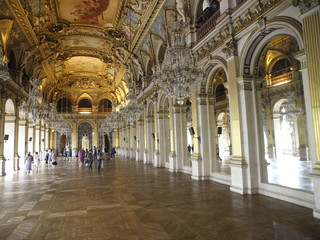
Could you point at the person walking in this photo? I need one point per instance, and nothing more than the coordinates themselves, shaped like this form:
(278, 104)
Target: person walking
(99, 159)
(90, 159)
(28, 162)
(36, 161)
(53, 159)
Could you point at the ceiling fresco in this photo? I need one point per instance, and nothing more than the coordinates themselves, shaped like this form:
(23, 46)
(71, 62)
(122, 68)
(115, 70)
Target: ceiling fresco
(100, 12)
(86, 46)
(86, 42)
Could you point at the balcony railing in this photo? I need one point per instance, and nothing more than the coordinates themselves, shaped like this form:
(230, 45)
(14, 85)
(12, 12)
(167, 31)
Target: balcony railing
(207, 21)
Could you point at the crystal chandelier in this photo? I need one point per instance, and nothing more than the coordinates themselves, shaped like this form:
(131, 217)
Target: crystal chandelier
(113, 121)
(179, 74)
(132, 111)
(34, 108)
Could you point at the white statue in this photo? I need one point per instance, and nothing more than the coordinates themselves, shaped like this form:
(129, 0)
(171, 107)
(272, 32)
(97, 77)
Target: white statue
(85, 142)
(180, 5)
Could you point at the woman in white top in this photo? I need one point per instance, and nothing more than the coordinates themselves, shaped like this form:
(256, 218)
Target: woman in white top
(36, 161)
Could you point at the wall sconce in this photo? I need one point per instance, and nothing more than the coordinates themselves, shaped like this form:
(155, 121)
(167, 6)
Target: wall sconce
(42, 140)
(6, 137)
(30, 139)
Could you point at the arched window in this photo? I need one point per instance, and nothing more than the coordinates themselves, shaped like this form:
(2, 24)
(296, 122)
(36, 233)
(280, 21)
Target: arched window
(64, 105)
(220, 93)
(105, 105)
(85, 106)
(282, 66)
(85, 103)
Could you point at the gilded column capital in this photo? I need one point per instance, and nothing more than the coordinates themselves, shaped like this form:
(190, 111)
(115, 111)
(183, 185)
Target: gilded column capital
(305, 5)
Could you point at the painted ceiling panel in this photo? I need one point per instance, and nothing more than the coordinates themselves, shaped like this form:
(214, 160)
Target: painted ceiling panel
(86, 41)
(100, 12)
(85, 64)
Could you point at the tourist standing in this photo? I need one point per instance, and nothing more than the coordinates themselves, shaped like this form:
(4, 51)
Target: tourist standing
(90, 158)
(99, 159)
(28, 162)
(36, 161)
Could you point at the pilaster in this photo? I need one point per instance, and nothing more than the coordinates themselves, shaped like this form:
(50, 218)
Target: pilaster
(310, 14)
(178, 156)
(149, 140)
(140, 140)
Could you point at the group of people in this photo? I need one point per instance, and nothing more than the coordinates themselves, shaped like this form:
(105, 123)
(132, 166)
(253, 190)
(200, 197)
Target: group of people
(88, 156)
(84, 157)
(35, 160)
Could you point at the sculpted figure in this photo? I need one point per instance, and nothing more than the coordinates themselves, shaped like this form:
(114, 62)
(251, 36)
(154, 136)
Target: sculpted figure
(180, 5)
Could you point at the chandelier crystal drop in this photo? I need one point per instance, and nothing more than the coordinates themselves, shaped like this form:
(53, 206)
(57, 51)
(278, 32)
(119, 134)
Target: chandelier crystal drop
(132, 111)
(179, 74)
(113, 121)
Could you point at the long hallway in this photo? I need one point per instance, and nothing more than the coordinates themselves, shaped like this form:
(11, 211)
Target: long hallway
(128, 200)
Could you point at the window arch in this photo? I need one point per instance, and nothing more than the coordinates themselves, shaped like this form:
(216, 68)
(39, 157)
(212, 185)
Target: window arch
(220, 93)
(105, 105)
(64, 105)
(85, 103)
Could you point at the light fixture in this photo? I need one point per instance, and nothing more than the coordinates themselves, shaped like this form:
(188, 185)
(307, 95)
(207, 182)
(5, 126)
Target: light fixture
(179, 74)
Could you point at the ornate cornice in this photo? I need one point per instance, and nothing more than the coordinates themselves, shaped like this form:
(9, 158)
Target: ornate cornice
(251, 16)
(305, 5)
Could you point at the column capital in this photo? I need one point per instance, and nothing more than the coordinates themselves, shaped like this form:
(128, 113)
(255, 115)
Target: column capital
(230, 48)
(179, 109)
(302, 58)
(202, 99)
(245, 83)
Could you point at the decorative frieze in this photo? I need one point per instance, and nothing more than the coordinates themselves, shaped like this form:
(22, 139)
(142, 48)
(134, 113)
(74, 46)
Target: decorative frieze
(230, 48)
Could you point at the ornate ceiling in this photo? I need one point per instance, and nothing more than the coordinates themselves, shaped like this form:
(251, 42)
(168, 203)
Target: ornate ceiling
(79, 46)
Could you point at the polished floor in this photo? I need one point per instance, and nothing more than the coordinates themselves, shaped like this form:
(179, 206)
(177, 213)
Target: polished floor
(127, 200)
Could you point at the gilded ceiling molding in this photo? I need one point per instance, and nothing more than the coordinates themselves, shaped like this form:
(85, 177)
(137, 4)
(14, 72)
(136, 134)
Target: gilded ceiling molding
(146, 23)
(21, 16)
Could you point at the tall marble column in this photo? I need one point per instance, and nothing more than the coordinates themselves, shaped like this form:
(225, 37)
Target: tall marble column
(238, 162)
(140, 141)
(133, 137)
(16, 164)
(149, 140)
(310, 14)
(2, 123)
(127, 141)
(201, 158)
(180, 155)
(159, 157)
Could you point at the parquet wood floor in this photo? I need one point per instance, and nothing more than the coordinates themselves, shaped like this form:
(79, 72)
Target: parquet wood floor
(127, 200)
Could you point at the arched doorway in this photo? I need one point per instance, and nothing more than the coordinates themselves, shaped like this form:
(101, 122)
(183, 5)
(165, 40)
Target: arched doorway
(9, 137)
(85, 137)
(283, 128)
